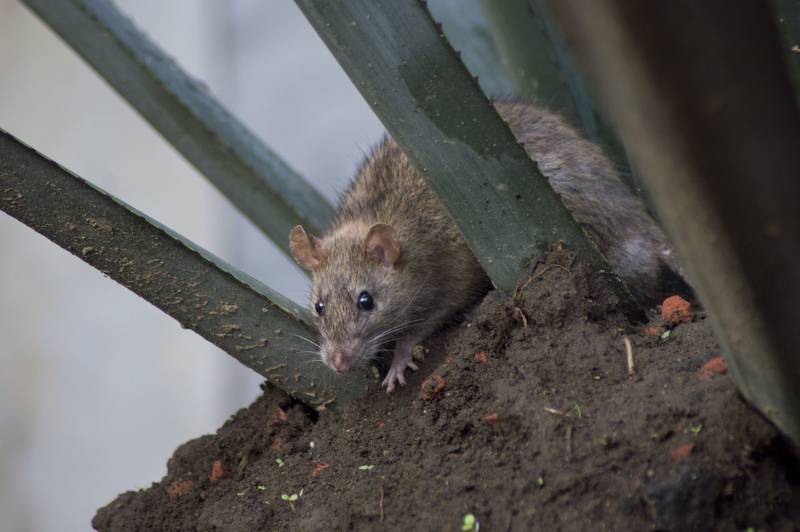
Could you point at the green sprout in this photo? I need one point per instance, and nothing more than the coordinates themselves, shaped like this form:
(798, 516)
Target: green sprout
(261, 487)
(578, 411)
(540, 481)
(665, 334)
(279, 461)
(376, 374)
(291, 499)
(418, 353)
(697, 429)
(470, 523)
(365, 467)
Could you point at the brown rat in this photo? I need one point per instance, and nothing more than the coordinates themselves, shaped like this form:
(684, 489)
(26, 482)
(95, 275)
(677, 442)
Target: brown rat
(394, 267)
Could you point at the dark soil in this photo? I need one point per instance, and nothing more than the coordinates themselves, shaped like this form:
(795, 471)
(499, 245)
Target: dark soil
(533, 426)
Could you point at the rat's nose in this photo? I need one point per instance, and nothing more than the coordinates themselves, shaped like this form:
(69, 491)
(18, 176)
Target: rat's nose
(340, 355)
(340, 362)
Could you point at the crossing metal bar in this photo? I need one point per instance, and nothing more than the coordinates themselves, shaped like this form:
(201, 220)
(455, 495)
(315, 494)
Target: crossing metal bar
(255, 180)
(255, 325)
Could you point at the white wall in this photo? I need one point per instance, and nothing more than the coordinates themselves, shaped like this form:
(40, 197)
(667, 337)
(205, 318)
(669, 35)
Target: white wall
(97, 387)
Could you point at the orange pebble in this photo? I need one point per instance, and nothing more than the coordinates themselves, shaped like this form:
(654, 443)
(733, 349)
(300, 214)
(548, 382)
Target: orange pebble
(481, 357)
(319, 468)
(432, 387)
(676, 310)
(682, 452)
(277, 418)
(218, 471)
(491, 419)
(716, 365)
(178, 488)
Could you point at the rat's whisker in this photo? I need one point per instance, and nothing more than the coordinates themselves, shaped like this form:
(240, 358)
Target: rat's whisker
(312, 342)
(419, 289)
(396, 328)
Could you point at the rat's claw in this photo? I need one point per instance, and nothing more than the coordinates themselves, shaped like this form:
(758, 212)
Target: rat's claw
(401, 361)
(394, 376)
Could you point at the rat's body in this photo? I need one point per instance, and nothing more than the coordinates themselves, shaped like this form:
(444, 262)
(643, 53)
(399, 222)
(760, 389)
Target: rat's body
(394, 266)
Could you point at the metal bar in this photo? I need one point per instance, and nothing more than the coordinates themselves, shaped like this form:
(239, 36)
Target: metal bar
(429, 102)
(529, 56)
(701, 97)
(533, 52)
(787, 14)
(256, 181)
(255, 325)
(468, 31)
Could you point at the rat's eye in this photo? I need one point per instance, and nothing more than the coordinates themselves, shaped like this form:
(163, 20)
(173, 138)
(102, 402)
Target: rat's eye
(365, 301)
(319, 306)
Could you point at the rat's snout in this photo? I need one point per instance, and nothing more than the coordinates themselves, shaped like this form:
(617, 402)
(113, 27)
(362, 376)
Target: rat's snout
(341, 356)
(340, 362)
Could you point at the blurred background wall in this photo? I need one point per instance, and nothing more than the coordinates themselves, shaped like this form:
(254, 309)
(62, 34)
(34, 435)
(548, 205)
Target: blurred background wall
(97, 387)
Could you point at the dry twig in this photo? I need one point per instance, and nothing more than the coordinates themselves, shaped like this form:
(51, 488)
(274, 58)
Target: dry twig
(629, 351)
(381, 502)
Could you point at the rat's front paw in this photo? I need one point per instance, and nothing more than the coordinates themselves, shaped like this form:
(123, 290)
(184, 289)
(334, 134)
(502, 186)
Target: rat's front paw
(395, 374)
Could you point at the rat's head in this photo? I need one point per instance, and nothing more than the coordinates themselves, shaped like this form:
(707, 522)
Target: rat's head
(355, 299)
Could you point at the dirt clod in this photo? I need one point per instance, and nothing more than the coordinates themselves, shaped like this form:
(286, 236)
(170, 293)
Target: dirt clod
(682, 452)
(218, 471)
(278, 417)
(432, 387)
(481, 357)
(676, 310)
(179, 488)
(715, 366)
(319, 468)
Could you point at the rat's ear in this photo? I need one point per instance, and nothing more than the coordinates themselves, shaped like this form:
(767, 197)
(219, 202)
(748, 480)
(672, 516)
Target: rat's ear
(304, 248)
(382, 245)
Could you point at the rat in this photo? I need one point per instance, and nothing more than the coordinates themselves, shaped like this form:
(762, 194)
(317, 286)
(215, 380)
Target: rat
(393, 268)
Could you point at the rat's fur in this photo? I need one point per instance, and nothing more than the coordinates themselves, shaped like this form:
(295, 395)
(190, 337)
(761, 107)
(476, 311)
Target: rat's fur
(435, 274)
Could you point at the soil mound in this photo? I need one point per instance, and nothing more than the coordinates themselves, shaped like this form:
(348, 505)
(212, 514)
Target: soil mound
(525, 415)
